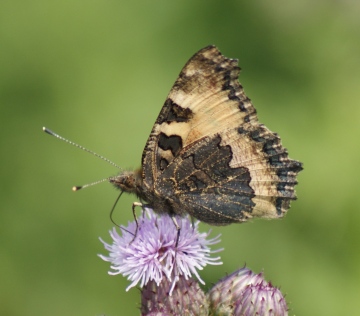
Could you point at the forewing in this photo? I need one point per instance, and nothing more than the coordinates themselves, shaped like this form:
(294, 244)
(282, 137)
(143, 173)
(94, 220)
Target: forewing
(205, 99)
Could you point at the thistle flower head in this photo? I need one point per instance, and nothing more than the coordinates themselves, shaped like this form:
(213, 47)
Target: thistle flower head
(245, 293)
(152, 255)
(187, 298)
(261, 299)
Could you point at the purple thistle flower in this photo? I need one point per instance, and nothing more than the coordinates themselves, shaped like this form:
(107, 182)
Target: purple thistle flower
(228, 289)
(152, 255)
(245, 293)
(187, 298)
(261, 299)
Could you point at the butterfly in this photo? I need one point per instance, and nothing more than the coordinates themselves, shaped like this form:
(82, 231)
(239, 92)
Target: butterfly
(208, 155)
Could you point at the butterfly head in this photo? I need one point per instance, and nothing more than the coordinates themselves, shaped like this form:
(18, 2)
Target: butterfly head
(128, 181)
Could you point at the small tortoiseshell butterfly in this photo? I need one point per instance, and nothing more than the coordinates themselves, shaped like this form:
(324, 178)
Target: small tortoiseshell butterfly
(208, 155)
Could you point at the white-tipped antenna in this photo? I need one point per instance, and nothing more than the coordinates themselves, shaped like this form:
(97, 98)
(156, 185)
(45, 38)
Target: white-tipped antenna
(46, 130)
(77, 188)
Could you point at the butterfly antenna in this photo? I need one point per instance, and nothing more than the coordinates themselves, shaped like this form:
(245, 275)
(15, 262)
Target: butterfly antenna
(46, 130)
(77, 188)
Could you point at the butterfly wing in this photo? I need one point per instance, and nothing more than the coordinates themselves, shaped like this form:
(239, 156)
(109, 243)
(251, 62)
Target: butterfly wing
(205, 99)
(200, 182)
(208, 126)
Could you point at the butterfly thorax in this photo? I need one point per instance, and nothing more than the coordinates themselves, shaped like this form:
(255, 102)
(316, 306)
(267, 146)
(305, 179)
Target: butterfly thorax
(132, 182)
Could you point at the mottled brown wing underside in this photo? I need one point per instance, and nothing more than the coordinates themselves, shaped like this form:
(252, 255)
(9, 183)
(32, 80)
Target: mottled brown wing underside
(203, 185)
(209, 155)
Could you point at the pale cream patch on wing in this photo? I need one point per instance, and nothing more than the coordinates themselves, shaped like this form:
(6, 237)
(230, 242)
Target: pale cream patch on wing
(265, 207)
(181, 129)
(249, 154)
(166, 154)
(213, 112)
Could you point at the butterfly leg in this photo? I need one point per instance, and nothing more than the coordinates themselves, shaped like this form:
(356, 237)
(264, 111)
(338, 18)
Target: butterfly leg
(135, 204)
(192, 222)
(177, 228)
(176, 244)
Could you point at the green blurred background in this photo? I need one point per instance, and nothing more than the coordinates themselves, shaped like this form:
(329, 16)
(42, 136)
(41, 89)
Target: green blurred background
(98, 73)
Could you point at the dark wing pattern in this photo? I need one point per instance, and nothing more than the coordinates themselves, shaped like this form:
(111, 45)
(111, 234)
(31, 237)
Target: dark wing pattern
(203, 185)
(208, 155)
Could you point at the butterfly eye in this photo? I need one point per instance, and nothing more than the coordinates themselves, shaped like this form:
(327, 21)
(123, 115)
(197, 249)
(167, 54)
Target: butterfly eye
(126, 181)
